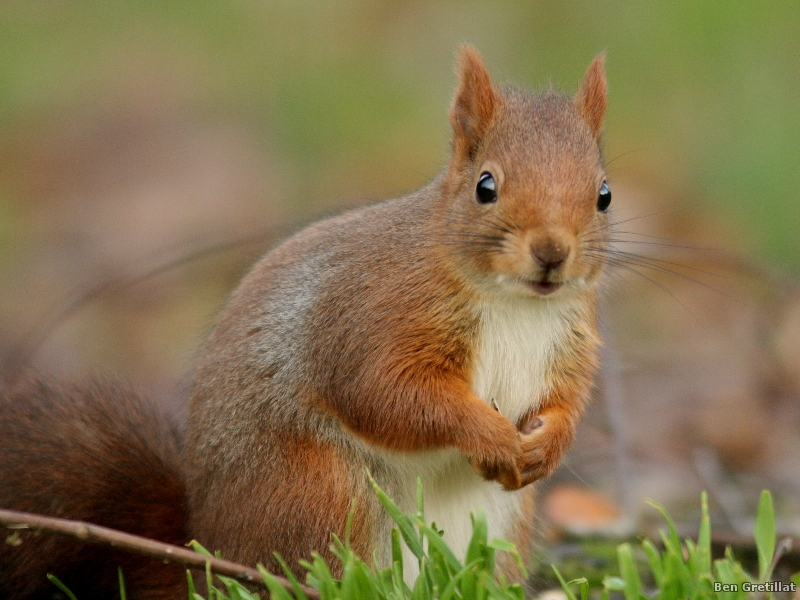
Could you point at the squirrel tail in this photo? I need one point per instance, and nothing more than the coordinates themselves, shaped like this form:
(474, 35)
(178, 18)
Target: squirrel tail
(98, 453)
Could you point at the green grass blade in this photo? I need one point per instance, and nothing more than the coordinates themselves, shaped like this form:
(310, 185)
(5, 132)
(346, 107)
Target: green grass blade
(506, 546)
(701, 557)
(338, 548)
(276, 590)
(726, 574)
(723, 571)
(439, 571)
(210, 589)
(404, 523)
(296, 589)
(397, 549)
(480, 588)
(437, 544)
(399, 582)
(672, 541)
(190, 584)
(469, 584)
(422, 590)
(448, 591)
(765, 535)
(384, 579)
(231, 592)
(629, 573)
(516, 592)
(236, 591)
(397, 556)
(654, 559)
(57, 582)
(613, 584)
(564, 586)
(493, 590)
(348, 526)
(197, 547)
(123, 593)
(480, 534)
(677, 576)
(420, 500)
(321, 577)
(584, 583)
(356, 583)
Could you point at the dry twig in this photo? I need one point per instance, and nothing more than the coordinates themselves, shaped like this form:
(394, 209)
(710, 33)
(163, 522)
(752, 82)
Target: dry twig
(95, 534)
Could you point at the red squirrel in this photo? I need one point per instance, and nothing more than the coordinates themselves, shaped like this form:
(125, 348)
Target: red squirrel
(449, 335)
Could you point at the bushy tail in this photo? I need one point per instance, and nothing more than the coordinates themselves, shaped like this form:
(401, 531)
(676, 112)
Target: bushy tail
(100, 453)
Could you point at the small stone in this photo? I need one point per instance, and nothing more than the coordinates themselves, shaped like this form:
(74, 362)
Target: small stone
(580, 510)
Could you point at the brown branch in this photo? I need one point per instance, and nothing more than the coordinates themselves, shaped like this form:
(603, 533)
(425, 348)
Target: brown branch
(95, 534)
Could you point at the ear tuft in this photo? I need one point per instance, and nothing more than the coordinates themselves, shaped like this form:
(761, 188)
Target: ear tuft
(475, 105)
(590, 99)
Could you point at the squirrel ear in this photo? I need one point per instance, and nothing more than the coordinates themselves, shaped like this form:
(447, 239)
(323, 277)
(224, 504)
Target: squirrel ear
(591, 96)
(475, 105)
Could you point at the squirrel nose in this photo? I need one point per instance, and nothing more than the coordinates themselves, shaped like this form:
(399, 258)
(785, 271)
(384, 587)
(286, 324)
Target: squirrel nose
(550, 255)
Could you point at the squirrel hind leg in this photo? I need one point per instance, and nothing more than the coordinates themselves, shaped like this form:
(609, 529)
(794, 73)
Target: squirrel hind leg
(292, 504)
(98, 453)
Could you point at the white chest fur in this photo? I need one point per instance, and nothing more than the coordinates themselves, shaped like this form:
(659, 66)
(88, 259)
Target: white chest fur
(516, 343)
(452, 491)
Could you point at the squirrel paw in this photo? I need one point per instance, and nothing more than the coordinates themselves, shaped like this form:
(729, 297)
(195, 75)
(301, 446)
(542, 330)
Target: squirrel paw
(542, 450)
(503, 467)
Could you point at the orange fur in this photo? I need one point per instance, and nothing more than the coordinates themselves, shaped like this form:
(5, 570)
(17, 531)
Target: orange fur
(475, 105)
(591, 97)
(295, 515)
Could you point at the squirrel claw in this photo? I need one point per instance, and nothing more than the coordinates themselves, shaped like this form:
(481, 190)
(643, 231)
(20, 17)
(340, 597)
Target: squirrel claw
(534, 474)
(540, 455)
(510, 478)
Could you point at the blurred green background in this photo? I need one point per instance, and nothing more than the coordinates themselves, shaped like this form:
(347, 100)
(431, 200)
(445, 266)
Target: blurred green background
(349, 98)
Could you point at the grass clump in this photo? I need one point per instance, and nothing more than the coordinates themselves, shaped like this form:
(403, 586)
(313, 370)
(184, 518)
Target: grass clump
(443, 575)
(685, 570)
(678, 570)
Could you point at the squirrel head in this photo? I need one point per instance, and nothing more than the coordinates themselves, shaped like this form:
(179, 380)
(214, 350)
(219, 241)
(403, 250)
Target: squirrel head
(526, 199)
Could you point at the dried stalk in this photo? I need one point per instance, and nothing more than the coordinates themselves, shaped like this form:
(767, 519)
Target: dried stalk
(95, 534)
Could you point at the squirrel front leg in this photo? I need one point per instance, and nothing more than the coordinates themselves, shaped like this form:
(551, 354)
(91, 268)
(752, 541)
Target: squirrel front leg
(430, 411)
(547, 434)
(548, 431)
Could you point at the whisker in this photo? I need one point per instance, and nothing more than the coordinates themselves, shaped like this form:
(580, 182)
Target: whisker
(667, 262)
(630, 269)
(629, 152)
(612, 224)
(654, 237)
(637, 261)
(468, 241)
(461, 220)
(661, 244)
(500, 217)
(468, 235)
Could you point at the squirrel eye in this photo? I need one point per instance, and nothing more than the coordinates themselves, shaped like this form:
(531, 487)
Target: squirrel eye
(604, 198)
(486, 190)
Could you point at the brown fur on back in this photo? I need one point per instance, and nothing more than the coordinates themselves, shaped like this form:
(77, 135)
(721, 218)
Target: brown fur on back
(93, 452)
